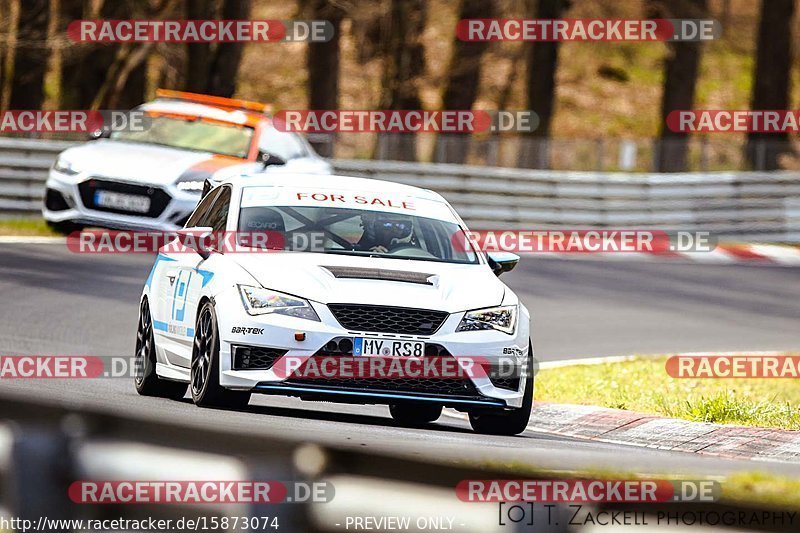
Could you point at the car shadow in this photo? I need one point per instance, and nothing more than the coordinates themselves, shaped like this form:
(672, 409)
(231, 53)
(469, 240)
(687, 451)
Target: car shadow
(440, 425)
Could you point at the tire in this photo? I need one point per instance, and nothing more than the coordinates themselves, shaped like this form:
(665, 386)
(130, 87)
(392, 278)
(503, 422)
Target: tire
(145, 379)
(63, 228)
(415, 414)
(507, 422)
(204, 382)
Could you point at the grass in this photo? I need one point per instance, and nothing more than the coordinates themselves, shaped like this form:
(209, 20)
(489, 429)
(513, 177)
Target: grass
(25, 227)
(643, 385)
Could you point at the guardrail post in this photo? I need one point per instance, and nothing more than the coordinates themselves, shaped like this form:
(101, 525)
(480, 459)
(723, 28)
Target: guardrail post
(290, 515)
(41, 470)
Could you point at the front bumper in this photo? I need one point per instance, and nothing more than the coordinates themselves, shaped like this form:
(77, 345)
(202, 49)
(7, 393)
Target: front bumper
(277, 332)
(179, 205)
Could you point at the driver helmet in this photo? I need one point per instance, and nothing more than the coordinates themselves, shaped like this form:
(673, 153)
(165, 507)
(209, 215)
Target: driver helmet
(389, 229)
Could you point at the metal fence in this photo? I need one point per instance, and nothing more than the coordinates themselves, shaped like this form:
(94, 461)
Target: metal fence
(45, 446)
(748, 206)
(602, 154)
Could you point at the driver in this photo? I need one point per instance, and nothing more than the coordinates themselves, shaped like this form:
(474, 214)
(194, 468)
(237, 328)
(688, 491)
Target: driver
(384, 232)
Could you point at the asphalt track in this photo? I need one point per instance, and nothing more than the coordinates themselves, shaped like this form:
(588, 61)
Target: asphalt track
(55, 302)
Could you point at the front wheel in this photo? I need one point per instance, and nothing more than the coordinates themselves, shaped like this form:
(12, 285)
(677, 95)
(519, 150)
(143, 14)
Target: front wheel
(511, 421)
(415, 415)
(205, 387)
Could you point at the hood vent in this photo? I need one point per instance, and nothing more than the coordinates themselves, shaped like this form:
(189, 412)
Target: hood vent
(380, 274)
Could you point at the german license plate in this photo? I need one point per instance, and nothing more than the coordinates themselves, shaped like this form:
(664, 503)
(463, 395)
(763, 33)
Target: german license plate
(123, 202)
(374, 347)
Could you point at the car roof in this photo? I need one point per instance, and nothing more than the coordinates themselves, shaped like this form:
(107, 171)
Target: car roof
(332, 182)
(194, 109)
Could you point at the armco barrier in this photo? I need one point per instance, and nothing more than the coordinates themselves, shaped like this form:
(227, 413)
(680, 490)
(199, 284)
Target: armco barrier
(755, 206)
(46, 445)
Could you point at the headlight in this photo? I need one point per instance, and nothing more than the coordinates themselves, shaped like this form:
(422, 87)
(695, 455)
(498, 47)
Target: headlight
(500, 318)
(190, 186)
(64, 167)
(259, 301)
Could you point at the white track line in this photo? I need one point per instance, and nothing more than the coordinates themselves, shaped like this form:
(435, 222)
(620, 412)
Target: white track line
(13, 239)
(622, 358)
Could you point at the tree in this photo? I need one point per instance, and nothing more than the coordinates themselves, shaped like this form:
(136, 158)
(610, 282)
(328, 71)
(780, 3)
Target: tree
(403, 66)
(31, 56)
(322, 62)
(771, 80)
(212, 67)
(541, 66)
(103, 75)
(681, 67)
(463, 81)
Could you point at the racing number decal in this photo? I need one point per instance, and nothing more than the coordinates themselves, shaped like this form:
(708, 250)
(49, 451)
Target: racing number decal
(179, 296)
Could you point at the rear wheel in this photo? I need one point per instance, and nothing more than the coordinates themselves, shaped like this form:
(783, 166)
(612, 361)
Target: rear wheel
(510, 421)
(145, 378)
(415, 414)
(205, 387)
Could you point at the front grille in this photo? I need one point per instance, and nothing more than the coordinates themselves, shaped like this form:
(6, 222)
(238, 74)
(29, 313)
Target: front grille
(381, 319)
(449, 386)
(255, 357)
(159, 198)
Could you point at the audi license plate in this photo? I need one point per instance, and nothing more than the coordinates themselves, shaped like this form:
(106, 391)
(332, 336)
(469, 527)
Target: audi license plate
(373, 347)
(123, 202)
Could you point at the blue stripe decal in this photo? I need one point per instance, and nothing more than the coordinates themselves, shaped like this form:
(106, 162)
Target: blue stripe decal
(207, 276)
(190, 332)
(159, 258)
(160, 326)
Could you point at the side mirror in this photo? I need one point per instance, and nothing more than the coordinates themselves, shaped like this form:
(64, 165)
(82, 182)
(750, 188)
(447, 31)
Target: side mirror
(502, 261)
(207, 186)
(268, 159)
(197, 239)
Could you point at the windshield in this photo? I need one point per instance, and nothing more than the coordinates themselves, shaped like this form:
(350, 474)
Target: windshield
(282, 144)
(193, 134)
(357, 232)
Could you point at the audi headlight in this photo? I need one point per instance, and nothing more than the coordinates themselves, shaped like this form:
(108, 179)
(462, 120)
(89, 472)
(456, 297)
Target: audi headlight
(260, 301)
(503, 318)
(64, 167)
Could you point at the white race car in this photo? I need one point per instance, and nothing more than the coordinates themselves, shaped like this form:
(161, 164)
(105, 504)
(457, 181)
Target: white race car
(384, 279)
(152, 179)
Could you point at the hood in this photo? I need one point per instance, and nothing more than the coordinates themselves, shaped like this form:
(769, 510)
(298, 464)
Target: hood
(448, 287)
(146, 163)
